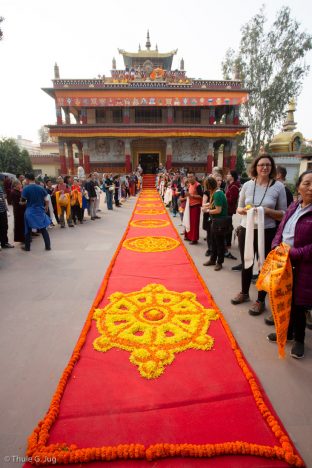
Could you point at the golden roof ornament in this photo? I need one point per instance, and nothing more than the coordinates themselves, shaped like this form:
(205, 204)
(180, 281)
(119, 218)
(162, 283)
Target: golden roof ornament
(290, 124)
(56, 72)
(148, 42)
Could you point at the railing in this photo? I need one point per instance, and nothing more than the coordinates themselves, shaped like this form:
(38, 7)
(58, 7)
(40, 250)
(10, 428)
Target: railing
(108, 83)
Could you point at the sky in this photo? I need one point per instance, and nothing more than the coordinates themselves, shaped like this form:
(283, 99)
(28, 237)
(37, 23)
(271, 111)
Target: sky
(83, 37)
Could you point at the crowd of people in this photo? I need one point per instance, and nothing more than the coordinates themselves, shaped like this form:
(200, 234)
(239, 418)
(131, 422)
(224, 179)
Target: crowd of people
(269, 215)
(38, 204)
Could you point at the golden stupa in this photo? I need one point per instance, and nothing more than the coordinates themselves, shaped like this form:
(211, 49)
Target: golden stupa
(288, 140)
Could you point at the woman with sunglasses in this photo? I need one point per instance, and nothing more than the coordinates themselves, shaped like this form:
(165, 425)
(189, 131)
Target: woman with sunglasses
(261, 191)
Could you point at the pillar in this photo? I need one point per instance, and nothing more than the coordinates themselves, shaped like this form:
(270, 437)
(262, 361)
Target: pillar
(170, 116)
(210, 157)
(70, 158)
(80, 154)
(236, 116)
(233, 156)
(58, 111)
(169, 155)
(67, 116)
(84, 118)
(62, 158)
(126, 115)
(212, 115)
(128, 164)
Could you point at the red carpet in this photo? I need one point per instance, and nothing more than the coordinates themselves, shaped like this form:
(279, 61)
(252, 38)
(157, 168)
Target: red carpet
(205, 408)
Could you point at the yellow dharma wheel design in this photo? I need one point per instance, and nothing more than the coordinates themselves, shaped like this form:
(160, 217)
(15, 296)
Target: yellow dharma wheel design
(151, 244)
(150, 223)
(153, 324)
(150, 211)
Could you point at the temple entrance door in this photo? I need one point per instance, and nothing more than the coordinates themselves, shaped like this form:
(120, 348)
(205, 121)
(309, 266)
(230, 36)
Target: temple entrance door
(149, 162)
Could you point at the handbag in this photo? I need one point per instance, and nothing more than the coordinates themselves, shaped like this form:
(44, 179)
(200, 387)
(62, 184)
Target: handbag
(221, 225)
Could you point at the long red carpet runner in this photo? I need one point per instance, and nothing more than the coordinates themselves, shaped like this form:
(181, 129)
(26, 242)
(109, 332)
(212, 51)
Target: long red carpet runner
(156, 377)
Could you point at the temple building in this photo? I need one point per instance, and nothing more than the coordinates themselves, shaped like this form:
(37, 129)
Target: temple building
(288, 147)
(146, 113)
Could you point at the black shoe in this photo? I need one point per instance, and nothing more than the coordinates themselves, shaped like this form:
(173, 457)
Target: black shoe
(97, 217)
(269, 320)
(230, 256)
(297, 350)
(7, 246)
(194, 242)
(272, 338)
(24, 248)
(48, 248)
(237, 267)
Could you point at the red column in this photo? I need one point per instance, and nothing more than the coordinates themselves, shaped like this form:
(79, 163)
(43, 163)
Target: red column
(87, 164)
(59, 115)
(80, 158)
(232, 162)
(209, 163)
(62, 159)
(70, 158)
(170, 116)
(169, 162)
(128, 163)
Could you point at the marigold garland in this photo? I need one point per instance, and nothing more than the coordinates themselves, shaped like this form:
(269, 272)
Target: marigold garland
(149, 223)
(151, 243)
(65, 454)
(153, 324)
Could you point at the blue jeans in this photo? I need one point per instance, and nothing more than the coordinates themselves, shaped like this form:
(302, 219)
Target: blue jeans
(45, 236)
(109, 199)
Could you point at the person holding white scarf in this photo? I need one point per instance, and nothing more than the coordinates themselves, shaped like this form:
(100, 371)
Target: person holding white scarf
(262, 202)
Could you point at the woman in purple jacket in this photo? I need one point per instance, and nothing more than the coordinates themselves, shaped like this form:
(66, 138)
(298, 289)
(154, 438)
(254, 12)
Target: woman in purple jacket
(296, 231)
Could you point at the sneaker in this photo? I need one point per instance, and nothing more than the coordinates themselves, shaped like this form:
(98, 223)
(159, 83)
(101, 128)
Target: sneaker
(240, 298)
(237, 267)
(269, 320)
(272, 338)
(297, 350)
(209, 263)
(218, 267)
(257, 308)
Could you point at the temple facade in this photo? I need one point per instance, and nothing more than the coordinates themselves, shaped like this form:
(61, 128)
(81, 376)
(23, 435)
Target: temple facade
(146, 113)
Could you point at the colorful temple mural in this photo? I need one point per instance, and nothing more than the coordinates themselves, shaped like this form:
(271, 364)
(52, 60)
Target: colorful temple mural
(146, 113)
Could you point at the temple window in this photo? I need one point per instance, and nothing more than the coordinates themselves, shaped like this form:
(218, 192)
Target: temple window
(100, 115)
(117, 115)
(148, 115)
(191, 116)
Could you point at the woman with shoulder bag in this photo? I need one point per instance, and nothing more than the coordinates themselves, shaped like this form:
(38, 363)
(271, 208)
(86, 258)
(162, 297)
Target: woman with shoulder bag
(217, 210)
(266, 197)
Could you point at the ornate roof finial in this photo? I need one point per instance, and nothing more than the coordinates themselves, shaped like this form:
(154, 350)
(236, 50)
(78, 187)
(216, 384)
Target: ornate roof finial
(114, 63)
(156, 48)
(182, 64)
(139, 47)
(148, 42)
(290, 124)
(56, 72)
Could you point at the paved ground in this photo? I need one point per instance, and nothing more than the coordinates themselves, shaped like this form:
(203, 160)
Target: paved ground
(45, 297)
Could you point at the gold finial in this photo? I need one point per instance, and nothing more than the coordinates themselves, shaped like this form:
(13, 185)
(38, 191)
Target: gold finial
(182, 64)
(114, 63)
(290, 124)
(139, 47)
(156, 48)
(148, 42)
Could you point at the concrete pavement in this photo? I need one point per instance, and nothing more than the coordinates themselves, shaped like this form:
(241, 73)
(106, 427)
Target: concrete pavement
(45, 298)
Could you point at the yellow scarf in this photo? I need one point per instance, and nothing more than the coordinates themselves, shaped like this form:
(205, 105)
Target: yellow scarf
(277, 279)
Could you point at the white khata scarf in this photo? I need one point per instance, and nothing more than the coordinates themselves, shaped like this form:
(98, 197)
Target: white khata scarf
(254, 215)
(186, 216)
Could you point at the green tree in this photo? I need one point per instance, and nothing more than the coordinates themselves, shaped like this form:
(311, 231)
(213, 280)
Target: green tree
(12, 159)
(1, 33)
(271, 65)
(240, 163)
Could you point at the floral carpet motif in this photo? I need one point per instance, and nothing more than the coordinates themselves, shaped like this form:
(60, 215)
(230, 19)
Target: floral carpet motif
(151, 243)
(153, 324)
(149, 223)
(150, 211)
